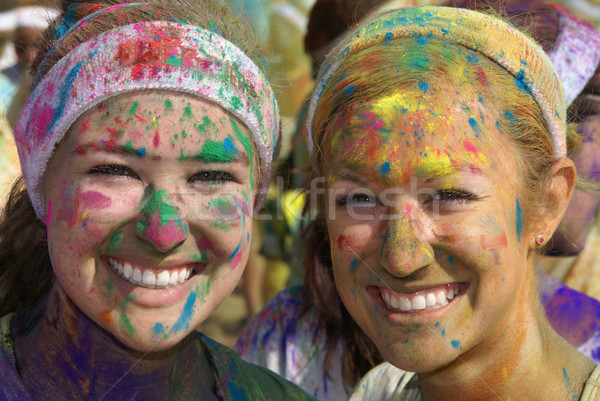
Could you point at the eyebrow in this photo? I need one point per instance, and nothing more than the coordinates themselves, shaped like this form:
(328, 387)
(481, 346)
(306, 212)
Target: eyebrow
(452, 169)
(348, 176)
(109, 147)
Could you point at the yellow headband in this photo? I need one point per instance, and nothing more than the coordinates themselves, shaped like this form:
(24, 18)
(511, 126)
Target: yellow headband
(492, 37)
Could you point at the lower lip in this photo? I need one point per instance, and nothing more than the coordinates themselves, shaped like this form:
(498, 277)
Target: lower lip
(394, 314)
(151, 297)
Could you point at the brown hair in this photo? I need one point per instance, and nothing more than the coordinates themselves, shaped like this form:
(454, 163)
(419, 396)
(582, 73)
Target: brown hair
(25, 267)
(526, 126)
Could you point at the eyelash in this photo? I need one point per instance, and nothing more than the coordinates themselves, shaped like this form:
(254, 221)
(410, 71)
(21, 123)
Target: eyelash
(212, 176)
(450, 195)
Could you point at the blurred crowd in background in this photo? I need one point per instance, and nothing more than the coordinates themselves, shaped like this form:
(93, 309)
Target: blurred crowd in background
(296, 35)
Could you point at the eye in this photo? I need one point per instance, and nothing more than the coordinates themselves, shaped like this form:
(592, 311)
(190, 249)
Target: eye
(357, 199)
(113, 170)
(211, 177)
(452, 196)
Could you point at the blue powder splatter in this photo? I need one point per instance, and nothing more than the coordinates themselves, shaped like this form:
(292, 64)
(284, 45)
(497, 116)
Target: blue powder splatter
(510, 116)
(521, 82)
(473, 124)
(455, 344)
(451, 260)
(228, 146)
(349, 90)
(66, 91)
(519, 219)
(353, 264)
(158, 328)
(388, 36)
(384, 169)
(184, 320)
(141, 152)
(424, 86)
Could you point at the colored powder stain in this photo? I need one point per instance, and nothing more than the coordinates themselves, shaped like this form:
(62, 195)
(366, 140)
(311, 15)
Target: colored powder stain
(424, 86)
(469, 146)
(349, 90)
(388, 36)
(236, 103)
(245, 141)
(187, 112)
(183, 323)
(49, 212)
(133, 108)
(106, 319)
(200, 258)
(474, 125)
(218, 152)
(384, 169)
(519, 219)
(451, 260)
(455, 344)
(109, 284)
(236, 393)
(353, 264)
(93, 200)
(510, 116)
(443, 332)
(168, 105)
(521, 82)
(162, 220)
(124, 319)
(158, 328)
(66, 91)
(113, 243)
(156, 141)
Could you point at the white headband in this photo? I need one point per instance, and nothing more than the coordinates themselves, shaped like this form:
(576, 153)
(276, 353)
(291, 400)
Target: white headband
(141, 56)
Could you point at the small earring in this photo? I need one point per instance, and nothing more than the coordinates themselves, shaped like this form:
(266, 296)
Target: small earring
(548, 232)
(540, 240)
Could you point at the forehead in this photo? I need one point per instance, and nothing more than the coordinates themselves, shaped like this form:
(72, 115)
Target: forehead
(418, 133)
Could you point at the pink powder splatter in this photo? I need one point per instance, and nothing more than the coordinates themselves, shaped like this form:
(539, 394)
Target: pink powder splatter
(93, 200)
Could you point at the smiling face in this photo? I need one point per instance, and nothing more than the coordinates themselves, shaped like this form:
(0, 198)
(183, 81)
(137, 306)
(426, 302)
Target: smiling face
(148, 200)
(427, 233)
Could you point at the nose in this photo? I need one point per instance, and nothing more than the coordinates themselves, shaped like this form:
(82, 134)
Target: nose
(405, 247)
(161, 222)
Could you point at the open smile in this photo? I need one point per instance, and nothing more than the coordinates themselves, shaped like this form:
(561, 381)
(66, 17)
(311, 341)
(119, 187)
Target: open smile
(419, 301)
(151, 277)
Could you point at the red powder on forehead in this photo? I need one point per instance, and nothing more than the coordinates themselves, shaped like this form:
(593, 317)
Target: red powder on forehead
(481, 78)
(470, 148)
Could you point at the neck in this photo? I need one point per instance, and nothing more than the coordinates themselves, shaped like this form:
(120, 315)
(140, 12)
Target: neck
(523, 359)
(60, 351)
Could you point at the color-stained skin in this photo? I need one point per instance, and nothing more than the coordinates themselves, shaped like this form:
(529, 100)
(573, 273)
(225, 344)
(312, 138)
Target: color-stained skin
(430, 242)
(148, 213)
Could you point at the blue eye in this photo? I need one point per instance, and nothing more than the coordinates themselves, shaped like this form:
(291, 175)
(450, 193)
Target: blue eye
(113, 170)
(211, 176)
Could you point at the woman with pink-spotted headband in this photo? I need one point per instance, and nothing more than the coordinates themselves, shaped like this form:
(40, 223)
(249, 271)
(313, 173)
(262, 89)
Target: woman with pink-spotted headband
(145, 147)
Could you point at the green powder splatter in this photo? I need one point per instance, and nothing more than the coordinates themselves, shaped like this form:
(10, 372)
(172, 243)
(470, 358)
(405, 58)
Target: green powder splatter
(187, 112)
(217, 152)
(168, 105)
(109, 284)
(124, 319)
(113, 243)
(134, 108)
(245, 141)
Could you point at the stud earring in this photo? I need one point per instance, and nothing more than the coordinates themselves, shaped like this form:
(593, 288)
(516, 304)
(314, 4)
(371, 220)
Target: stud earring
(540, 240)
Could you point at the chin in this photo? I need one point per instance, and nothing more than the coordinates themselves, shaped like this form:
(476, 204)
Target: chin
(411, 358)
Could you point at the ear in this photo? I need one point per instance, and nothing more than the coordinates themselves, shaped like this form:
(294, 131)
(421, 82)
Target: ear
(561, 184)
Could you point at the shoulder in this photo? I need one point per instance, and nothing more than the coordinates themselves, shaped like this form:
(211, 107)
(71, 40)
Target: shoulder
(244, 380)
(280, 317)
(11, 387)
(591, 390)
(385, 382)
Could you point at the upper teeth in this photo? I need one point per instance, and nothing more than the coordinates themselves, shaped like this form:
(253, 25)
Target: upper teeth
(148, 278)
(405, 302)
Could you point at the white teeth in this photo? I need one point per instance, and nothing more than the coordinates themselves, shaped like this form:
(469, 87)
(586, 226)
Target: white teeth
(162, 279)
(127, 270)
(404, 304)
(440, 297)
(174, 278)
(418, 302)
(430, 299)
(137, 275)
(149, 278)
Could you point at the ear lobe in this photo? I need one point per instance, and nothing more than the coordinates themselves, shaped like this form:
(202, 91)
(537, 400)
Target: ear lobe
(561, 184)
